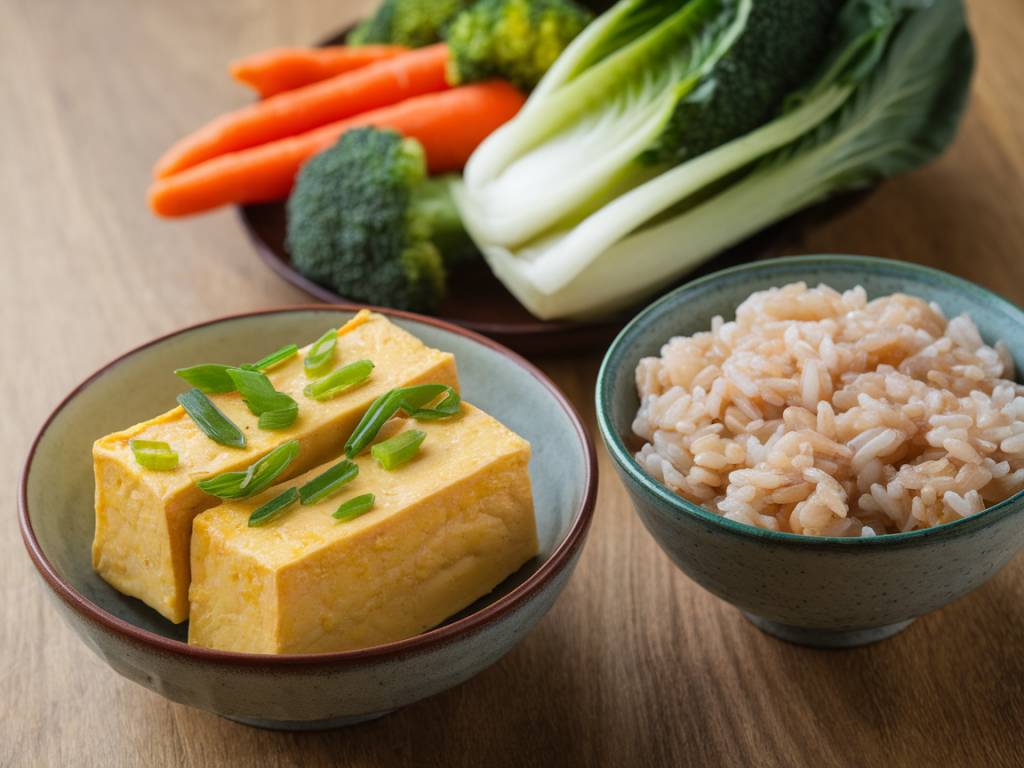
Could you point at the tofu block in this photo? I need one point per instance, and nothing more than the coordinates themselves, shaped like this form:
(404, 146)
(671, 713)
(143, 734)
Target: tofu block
(446, 529)
(144, 518)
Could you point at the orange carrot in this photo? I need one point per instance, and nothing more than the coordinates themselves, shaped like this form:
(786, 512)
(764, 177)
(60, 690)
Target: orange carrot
(450, 125)
(283, 69)
(293, 112)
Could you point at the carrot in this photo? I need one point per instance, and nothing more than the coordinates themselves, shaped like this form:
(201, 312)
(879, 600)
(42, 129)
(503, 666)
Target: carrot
(450, 125)
(293, 112)
(284, 69)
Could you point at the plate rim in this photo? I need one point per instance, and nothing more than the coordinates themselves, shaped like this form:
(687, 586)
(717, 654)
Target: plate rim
(528, 329)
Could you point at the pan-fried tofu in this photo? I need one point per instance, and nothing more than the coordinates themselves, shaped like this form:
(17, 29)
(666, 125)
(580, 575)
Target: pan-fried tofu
(144, 518)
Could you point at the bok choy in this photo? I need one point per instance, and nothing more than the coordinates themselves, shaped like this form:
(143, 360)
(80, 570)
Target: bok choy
(662, 137)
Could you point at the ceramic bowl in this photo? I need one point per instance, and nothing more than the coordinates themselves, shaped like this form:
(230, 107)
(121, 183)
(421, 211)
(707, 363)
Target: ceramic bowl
(816, 591)
(308, 691)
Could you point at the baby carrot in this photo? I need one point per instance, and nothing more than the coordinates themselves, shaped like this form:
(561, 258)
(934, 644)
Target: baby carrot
(449, 125)
(284, 69)
(377, 85)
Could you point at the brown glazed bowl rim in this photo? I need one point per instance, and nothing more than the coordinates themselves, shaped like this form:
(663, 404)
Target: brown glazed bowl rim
(552, 565)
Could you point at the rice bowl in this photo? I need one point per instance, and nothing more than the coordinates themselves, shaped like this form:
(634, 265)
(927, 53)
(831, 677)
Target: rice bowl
(822, 590)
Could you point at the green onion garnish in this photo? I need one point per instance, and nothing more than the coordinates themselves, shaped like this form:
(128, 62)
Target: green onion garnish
(414, 398)
(258, 477)
(380, 410)
(214, 424)
(273, 508)
(354, 507)
(329, 482)
(213, 378)
(398, 450)
(154, 454)
(320, 358)
(276, 358)
(257, 391)
(281, 418)
(344, 378)
(209, 377)
(409, 399)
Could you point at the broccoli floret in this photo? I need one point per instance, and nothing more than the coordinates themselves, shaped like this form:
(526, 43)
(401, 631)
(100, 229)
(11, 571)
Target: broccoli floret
(516, 40)
(365, 220)
(413, 23)
(782, 45)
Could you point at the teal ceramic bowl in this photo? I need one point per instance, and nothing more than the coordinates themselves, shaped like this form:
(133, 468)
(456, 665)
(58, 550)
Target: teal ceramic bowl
(831, 592)
(311, 691)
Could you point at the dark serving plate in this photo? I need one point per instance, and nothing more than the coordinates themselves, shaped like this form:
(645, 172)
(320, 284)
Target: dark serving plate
(478, 301)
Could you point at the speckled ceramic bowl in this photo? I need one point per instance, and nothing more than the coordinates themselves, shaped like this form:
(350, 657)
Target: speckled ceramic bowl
(313, 691)
(816, 591)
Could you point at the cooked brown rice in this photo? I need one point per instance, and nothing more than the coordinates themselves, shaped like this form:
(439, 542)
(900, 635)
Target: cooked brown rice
(823, 413)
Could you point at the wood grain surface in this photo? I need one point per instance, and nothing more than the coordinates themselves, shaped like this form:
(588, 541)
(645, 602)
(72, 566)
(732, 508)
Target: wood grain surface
(635, 665)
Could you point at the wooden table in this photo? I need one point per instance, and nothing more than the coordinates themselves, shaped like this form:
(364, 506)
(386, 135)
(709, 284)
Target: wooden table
(635, 665)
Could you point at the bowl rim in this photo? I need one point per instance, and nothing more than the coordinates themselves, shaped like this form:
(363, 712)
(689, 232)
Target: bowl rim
(561, 555)
(628, 465)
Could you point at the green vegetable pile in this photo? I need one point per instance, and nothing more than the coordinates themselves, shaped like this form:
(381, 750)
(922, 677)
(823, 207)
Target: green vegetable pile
(364, 218)
(669, 131)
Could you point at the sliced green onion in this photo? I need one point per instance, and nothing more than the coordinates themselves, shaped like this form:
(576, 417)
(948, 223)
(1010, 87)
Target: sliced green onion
(398, 450)
(258, 477)
(208, 377)
(380, 410)
(247, 479)
(344, 378)
(409, 399)
(214, 424)
(275, 409)
(354, 507)
(213, 378)
(273, 508)
(257, 391)
(320, 358)
(281, 418)
(414, 398)
(154, 454)
(328, 483)
(275, 358)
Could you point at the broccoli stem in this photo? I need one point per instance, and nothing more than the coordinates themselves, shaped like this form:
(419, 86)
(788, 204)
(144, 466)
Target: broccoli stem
(433, 209)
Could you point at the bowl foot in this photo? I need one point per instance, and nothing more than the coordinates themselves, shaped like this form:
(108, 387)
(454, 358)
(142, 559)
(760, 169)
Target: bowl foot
(826, 638)
(307, 725)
